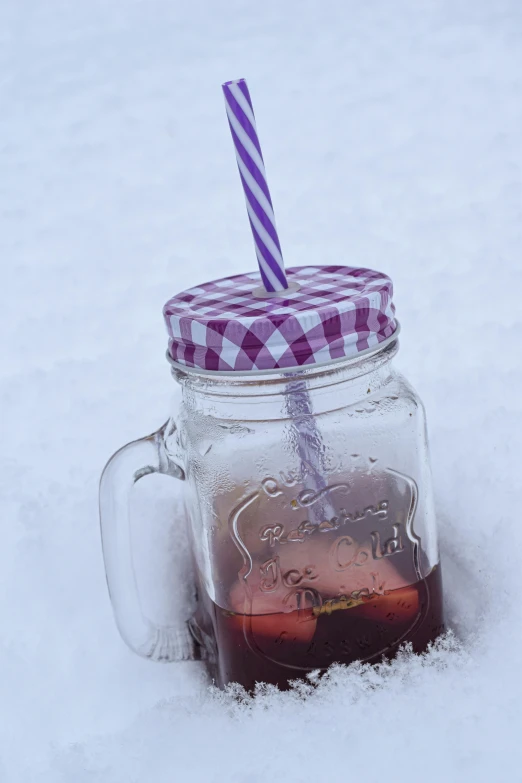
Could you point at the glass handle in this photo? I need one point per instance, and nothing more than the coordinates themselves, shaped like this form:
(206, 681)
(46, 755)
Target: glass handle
(172, 642)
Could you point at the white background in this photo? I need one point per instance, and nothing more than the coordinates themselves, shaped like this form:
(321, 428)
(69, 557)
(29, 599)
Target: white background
(392, 134)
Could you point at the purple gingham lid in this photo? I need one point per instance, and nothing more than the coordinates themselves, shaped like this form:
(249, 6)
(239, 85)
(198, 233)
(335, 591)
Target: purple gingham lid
(336, 312)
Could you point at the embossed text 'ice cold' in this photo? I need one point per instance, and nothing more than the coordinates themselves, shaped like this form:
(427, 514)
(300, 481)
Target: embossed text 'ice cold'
(345, 551)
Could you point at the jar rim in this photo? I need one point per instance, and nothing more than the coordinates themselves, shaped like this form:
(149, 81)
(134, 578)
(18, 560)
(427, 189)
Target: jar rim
(283, 371)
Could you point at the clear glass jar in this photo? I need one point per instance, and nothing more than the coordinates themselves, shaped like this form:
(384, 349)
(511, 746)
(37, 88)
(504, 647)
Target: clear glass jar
(309, 501)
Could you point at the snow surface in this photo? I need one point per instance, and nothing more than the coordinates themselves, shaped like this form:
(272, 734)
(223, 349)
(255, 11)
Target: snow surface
(392, 133)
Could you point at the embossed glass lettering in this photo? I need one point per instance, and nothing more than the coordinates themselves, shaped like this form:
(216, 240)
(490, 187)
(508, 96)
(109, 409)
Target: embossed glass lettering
(271, 533)
(269, 574)
(391, 545)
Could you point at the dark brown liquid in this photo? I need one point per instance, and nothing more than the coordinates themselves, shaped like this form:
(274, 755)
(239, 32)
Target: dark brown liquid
(277, 648)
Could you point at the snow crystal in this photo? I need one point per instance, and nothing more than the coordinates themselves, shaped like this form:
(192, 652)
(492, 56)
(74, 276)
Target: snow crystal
(392, 137)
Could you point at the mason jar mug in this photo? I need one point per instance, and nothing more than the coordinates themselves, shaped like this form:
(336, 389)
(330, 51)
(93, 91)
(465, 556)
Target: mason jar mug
(303, 458)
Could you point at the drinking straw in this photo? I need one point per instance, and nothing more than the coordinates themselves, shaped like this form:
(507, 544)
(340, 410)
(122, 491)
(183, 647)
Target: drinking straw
(251, 166)
(309, 447)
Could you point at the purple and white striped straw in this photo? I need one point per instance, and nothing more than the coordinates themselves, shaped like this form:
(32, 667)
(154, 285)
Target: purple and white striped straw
(253, 177)
(268, 250)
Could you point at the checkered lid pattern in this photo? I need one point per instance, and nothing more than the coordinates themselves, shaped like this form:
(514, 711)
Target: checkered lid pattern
(336, 312)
